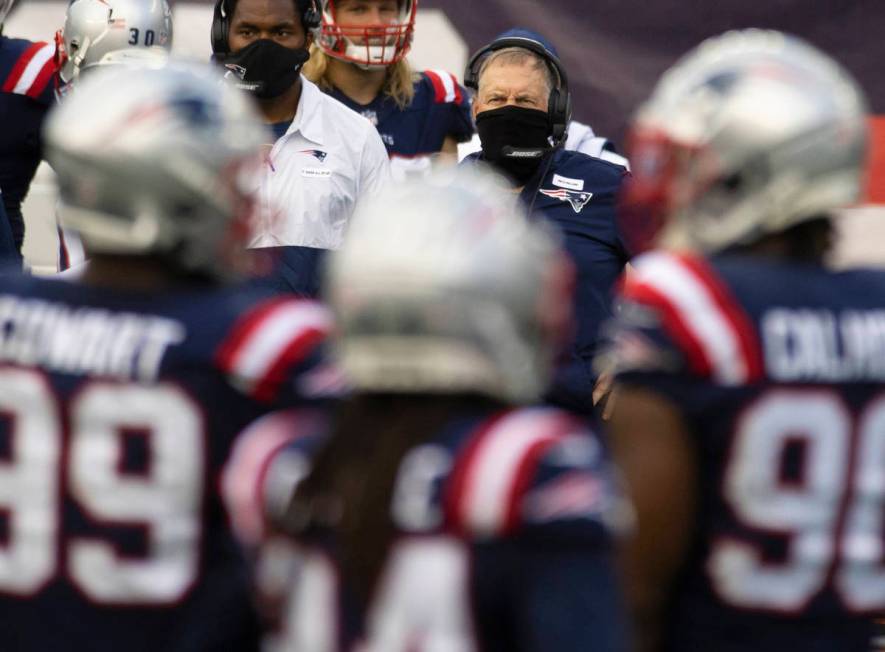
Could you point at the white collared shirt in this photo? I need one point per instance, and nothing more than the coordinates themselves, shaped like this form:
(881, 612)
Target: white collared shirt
(329, 158)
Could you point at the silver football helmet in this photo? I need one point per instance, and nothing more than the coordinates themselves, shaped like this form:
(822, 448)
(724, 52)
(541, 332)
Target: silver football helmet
(96, 31)
(5, 8)
(443, 285)
(750, 133)
(158, 161)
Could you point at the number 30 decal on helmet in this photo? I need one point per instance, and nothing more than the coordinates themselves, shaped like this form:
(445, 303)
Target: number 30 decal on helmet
(97, 31)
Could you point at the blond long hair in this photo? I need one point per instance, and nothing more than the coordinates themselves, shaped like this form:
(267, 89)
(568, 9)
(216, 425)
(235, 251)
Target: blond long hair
(398, 84)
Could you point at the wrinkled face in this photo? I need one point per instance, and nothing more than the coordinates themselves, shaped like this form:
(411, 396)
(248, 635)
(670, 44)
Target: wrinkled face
(507, 84)
(365, 13)
(277, 20)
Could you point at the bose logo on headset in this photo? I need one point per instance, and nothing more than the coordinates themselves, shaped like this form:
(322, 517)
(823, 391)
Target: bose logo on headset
(310, 20)
(559, 105)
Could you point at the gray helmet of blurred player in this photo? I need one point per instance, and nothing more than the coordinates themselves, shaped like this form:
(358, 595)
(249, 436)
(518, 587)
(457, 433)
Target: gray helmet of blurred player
(158, 162)
(444, 286)
(752, 132)
(5, 8)
(99, 32)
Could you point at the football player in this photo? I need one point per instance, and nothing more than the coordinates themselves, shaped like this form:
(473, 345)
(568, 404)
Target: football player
(359, 58)
(121, 393)
(439, 508)
(107, 32)
(27, 71)
(750, 420)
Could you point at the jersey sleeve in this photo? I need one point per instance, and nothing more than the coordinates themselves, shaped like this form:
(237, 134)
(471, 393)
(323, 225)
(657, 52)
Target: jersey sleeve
(30, 69)
(274, 352)
(374, 163)
(677, 320)
(455, 101)
(539, 500)
(268, 460)
(536, 474)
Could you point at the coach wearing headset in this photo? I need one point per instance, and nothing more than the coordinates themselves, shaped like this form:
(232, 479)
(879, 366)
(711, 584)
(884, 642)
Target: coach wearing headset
(522, 109)
(323, 157)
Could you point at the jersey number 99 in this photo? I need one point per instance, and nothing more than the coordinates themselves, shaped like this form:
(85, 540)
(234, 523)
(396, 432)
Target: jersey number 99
(165, 499)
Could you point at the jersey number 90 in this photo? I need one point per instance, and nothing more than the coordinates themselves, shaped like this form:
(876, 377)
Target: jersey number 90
(831, 515)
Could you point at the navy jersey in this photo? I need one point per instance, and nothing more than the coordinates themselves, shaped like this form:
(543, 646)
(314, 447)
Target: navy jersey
(504, 530)
(779, 371)
(117, 413)
(577, 194)
(10, 258)
(440, 108)
(27, 71)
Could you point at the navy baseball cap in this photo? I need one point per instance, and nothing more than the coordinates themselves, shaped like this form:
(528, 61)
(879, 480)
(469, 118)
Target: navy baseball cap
(522, 32)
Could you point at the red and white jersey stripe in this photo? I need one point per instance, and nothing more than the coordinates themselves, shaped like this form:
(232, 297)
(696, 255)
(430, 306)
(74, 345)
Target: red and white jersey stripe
(445, 86)
(490, 478)
(269, 341)
(700, 314)
(33, 71)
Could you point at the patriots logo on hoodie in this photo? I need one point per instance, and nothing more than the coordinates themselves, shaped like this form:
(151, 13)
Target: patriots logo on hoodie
(577, 199)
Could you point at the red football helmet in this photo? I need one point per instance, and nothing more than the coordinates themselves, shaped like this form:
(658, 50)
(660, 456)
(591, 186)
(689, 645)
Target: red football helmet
(369, 46)
(665, 175)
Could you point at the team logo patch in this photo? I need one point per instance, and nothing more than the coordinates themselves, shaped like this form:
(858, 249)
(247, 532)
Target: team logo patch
(318, 154)
(578, 199)
(233, 70)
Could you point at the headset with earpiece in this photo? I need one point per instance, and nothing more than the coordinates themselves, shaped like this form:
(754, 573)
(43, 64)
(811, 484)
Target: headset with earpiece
(559, 105)
(310, 20)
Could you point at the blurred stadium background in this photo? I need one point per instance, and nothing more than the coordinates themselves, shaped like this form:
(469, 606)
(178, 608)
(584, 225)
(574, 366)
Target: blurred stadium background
(613, 50)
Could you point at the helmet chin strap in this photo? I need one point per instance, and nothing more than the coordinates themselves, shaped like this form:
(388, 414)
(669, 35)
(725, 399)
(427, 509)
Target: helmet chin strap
(77, 60)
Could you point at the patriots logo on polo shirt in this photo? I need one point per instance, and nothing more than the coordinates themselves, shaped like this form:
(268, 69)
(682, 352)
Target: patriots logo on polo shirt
(578, 199)
(318, 154)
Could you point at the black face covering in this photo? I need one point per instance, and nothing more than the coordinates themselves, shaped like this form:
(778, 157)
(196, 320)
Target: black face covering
(514, 140)
(265, 68)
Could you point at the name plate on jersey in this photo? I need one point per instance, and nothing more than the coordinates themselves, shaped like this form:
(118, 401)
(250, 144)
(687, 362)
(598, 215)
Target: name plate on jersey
(566, 182)
(316, 173)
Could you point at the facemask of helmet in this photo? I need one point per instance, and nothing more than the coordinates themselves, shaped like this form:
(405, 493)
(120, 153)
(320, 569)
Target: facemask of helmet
(367, 46)
(749, 134)
(156, 162)
(443, 285)
(94, 29)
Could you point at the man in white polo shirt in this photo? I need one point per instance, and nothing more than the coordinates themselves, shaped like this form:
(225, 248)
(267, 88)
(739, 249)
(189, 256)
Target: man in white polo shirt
(325, 156)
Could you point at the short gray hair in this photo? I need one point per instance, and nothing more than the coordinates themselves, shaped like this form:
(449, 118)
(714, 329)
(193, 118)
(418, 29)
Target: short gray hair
(517, 56)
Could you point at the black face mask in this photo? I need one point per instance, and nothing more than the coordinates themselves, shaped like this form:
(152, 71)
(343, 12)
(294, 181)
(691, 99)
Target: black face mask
(514, 140)
(265, 68)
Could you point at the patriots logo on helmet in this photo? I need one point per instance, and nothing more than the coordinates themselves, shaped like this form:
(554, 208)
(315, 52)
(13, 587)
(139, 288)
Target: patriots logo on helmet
(318, 154)
(576, 198)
